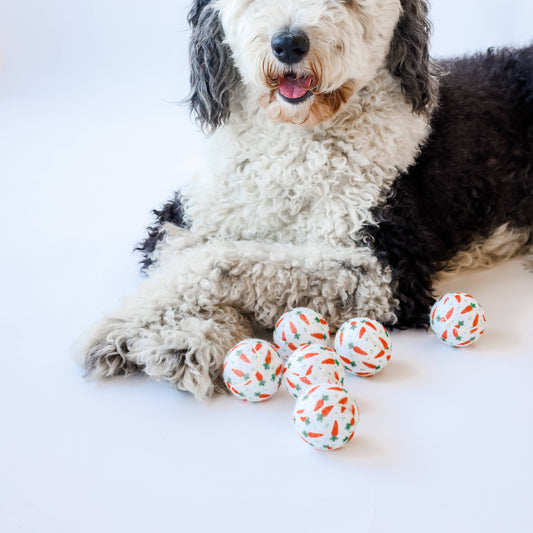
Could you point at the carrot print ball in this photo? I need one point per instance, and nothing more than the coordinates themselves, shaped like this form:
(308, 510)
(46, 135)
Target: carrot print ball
(325, 416)
(300, 326)
(312, 364)
(364, 346)
(252, 370)
(457, 319)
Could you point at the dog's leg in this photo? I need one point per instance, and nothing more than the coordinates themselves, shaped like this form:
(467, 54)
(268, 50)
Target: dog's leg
(183, 319)
(185, 350)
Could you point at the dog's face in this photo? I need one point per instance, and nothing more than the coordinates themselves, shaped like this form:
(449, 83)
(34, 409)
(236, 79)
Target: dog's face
(303, 59)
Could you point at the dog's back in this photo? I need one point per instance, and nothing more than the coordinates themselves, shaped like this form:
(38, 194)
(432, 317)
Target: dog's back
(480, 153)
(468, 200)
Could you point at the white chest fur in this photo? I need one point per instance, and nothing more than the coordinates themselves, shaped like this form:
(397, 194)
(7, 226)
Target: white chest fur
(284, 183)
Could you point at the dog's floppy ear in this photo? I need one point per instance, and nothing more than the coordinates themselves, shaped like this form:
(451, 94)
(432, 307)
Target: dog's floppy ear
(408, 58)
(213, 73)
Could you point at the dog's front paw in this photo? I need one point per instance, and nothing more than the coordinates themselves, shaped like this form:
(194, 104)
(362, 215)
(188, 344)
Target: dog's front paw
(103, 350)
(186, 351)
(190, 354)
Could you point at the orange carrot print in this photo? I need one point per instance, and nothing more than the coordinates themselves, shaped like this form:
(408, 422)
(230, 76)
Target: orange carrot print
(327, 410)
(335, 429)
(293, 328)
(238, 372)
(319, 405)
(358, 350)
(303, 318)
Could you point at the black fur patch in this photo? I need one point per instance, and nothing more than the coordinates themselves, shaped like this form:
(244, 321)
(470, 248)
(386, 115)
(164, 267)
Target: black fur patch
(172, 212)
(474, 174)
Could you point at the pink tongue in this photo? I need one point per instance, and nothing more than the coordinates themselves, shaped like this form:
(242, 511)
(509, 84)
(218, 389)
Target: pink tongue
(293, 88)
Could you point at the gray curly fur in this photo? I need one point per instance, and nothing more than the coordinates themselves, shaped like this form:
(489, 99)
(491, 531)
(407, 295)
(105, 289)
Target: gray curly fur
(408, 58)
(213, 74)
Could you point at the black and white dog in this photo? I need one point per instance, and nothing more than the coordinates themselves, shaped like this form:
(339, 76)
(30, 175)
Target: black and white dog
(348, 171)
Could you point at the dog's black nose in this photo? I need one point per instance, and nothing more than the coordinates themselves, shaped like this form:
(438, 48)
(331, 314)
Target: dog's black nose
(290, 46)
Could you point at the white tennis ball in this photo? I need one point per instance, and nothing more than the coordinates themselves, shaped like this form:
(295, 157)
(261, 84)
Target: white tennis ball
(325, 416)
(364, 346)
(300, 326)
(312, 364)
(253, 370)
(457, 319)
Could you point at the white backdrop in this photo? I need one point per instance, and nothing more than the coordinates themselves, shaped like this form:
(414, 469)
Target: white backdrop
(90, 140)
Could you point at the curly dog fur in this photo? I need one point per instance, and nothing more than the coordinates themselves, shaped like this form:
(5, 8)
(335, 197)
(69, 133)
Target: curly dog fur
(348, 171)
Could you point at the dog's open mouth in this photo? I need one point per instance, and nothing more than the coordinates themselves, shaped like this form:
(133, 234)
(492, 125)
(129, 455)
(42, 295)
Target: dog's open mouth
(295, 89)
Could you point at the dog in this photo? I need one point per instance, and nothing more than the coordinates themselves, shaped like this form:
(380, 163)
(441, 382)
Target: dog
(348, 171)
